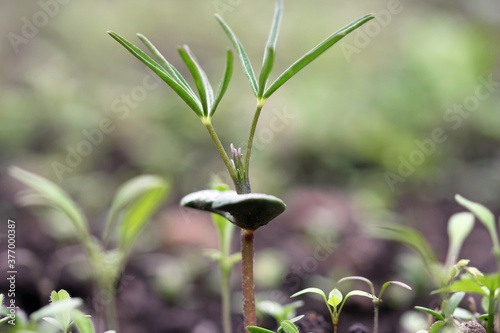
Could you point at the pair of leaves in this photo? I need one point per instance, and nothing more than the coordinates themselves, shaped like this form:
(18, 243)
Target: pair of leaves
(248, 211)
(63, 313)
(259, 87)
(137, 200)
(335, 298)
(204, 105)
(372, 289)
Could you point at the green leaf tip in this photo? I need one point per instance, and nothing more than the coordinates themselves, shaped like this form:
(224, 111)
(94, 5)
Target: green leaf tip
(310, 56)
(248, 211)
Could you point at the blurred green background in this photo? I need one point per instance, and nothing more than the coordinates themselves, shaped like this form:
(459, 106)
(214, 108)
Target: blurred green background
(404, 111)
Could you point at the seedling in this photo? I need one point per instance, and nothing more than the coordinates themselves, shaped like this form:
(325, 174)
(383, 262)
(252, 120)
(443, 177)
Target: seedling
(133, 205)
(278, 311)
(455, 277)
(378, 301)
(247, 210)
(226, 261)
(335, 301)
(61, 315)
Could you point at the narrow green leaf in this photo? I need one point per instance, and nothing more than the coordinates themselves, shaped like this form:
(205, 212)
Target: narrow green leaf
(186, 96)
(459, 227)
(126, 195)
(55, 196)
(484, 215)
(436, 314)
(255, 329)
(360, 293)
(200, 79)
(408, 236)
(82, 322)
(226, 77)
(245, 62)
(314, 53)
(388, 283)
(311, 290)
(289, 327)
(171, 70)
(139, 212)
(4, 320)
(360, 278)
(53, 309)
(270, 50)
(451, 304)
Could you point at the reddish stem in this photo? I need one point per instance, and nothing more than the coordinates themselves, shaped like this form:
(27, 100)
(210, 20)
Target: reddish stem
(250, 317)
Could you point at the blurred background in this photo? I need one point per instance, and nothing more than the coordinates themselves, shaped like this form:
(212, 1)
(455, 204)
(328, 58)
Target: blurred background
(388, 125)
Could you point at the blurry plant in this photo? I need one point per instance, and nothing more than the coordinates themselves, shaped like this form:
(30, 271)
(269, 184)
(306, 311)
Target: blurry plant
(61, 315)
(226, 261)
(286, 325)
(278, 311)
(247, 210)
(378, 301)
(132, 207)
(455, 277)
(335, 301)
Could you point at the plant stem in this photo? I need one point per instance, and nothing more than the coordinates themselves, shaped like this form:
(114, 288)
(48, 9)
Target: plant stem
(375, 318)
(250, 317)
(256, 116)
(491, 313)
(220, 148)
(226, 301)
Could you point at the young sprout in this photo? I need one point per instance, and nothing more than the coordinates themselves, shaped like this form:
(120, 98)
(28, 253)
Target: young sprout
(378, 301)
(335, 301)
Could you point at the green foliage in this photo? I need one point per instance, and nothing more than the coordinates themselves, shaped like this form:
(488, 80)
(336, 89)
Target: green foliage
(455, 277)
(134, 204)
(47, 193)
(278, 311)
(335, 301)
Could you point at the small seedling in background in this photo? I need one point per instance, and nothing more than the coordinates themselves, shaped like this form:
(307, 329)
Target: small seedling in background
(335, 301)
(226, 261)
(61, 315)
(132, 207)
(278, 311)
(455, 277)
(247, 210)
(378, 301)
